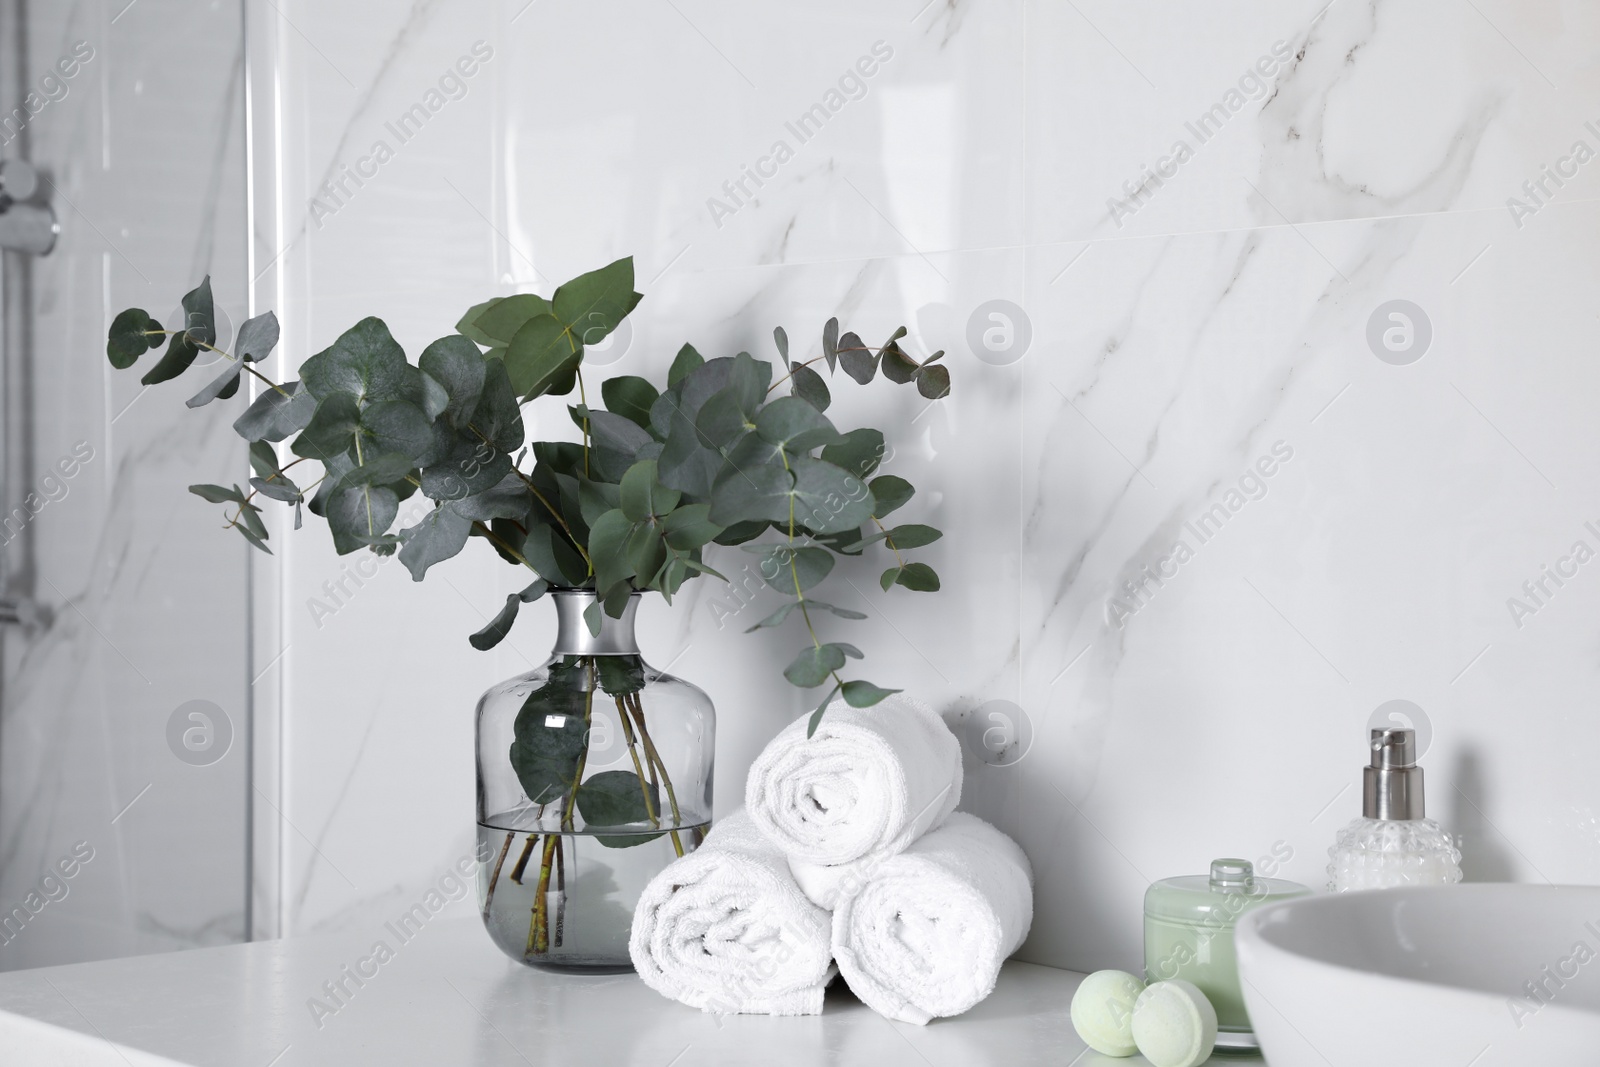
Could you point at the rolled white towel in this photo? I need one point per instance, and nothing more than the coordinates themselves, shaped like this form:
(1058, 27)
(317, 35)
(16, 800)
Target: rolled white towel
(725, 929)
(870, 781)
(927, 932)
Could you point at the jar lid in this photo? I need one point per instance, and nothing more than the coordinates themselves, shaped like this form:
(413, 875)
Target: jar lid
(1218, 898)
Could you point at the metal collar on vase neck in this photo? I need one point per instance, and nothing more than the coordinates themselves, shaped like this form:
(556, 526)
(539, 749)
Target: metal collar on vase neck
(573, 637)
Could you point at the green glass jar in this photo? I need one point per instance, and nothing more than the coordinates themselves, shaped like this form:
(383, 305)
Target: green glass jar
(1188, 934)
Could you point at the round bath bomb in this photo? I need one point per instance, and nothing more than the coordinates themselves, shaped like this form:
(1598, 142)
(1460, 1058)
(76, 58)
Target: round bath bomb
(1174, 1024)
(1102, 1011)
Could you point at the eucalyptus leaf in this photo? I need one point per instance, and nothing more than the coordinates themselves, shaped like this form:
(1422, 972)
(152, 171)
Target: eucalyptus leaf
(808, 385)
(501, 320)
(685, 362)
(913, 535)
(199, 329)
(550, 734)
(608, 549)
(631, 397)
(795, 424)
(857, 360)
(689, 527)
(816, 716)
(358, 512)
(784, 568)
(332, 431)
(781, 339)
(257, 338)
(217, 494)
(282, 489)
(934, 382)
(642, 496)
(132, 334)
(221, 387)
(277, 413)
(498, 416)
(441, 534)
(864, 694)
(398, 426)
(459, 368)
(830, 343)
(618, 798)
(365, 363)
(814, 665)
(859, 451)
(890, 492)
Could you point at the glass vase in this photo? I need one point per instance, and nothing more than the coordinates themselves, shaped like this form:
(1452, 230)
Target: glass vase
(594, 773)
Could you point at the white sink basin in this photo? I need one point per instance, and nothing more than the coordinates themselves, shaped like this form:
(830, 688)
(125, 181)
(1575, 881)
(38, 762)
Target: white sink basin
(1418, 977)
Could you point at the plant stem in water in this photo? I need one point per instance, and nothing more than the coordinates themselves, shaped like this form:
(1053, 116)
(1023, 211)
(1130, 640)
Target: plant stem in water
(539, 929)
(494, 876)
(655, 759)
(522, 860)
(561, 889)
(638, 771)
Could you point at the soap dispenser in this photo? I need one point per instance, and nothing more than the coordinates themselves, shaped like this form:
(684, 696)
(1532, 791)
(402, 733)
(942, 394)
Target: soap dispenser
(1393, 843)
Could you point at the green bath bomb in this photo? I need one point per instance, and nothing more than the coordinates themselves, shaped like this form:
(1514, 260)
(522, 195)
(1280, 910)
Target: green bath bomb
(1174, 1024)
(1102, 1011)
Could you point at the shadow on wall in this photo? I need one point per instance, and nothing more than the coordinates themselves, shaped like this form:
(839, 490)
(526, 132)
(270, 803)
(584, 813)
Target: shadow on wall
(1484, 857)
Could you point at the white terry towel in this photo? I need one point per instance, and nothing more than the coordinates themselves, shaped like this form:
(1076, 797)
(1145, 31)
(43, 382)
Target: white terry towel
(870, 781)
(927, 933)
(725, 929)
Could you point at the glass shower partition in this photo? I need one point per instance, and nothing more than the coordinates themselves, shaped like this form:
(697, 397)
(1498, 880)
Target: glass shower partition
(125, 673)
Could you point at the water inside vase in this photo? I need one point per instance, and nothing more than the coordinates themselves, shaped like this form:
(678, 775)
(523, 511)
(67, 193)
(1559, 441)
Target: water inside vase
(592, 880)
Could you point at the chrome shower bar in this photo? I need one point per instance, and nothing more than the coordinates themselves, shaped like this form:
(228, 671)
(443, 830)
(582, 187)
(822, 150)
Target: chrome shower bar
(26, 225)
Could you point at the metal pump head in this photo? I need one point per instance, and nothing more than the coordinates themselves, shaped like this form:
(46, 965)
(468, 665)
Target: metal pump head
(1392, 781)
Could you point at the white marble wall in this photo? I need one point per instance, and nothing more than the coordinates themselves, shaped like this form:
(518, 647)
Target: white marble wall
(144, 146)
(1358, 153)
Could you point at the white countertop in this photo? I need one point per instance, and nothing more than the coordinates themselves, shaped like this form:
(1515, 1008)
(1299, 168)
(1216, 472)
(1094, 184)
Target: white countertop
(449, 997)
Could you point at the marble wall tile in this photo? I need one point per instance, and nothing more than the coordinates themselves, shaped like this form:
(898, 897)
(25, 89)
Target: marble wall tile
(1222, 325)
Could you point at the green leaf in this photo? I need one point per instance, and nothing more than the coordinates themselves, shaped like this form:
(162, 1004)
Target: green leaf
(683, 364)
(740, 532)
(864, 694)
(542, 358)
(631, 397)
(550, 734)
(828, 499)
(333, 429)
(277, 413)
(776, 618)
(617, 798)
(843, 613)
(913, 535)
(500, 625)
(615, 442)
(721, 420)
(934, 382)
(690, 527)
(133, 333)
(263, 459)
(890, 492)
(553, 556)
(501, 319)
(365, 363)
(200, 328)
(398, 426)
(859, 452)
(808, 385)
(220, 388)
(830, 343)
(781, 339)
(646, 552)
(257, 338)
(258, 542)
(468, 322)
(441, 534)
(608, 549)
(591, 618)
(918, 577)
(470, 467)
(456, 364)
(498, 417)
(360, 512)
(380, 468)
(782, 567)
(217, 494)
(594, 304)
(813, 666)
(643, 496)
(795, 424)
(850, 650)
(857, 361)
(620, 675)
(509, 499)
(816, 716)
(283, 489)
(897, 366)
